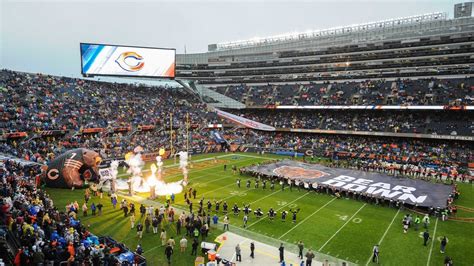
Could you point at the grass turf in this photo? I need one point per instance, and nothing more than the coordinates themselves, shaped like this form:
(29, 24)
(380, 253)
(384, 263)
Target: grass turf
(343, 228)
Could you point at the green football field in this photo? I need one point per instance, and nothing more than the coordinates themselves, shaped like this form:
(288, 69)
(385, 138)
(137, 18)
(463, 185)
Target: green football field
(338, 229)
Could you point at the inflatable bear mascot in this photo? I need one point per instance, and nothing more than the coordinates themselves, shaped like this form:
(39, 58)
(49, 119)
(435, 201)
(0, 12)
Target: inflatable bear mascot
(71, 168)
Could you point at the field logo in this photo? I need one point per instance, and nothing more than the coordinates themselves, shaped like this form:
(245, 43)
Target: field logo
(130, 61)
(294, 172)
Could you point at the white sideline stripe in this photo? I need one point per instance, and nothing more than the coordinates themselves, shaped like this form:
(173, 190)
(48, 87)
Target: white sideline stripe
(327, 203)
(384, 234)
(277, 210)
(432, 242)
(350, 219)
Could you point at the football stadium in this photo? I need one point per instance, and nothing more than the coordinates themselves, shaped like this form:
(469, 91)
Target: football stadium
(341, 145)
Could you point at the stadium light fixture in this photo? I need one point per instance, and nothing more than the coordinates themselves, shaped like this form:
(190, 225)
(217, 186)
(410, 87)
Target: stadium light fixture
(389, 23)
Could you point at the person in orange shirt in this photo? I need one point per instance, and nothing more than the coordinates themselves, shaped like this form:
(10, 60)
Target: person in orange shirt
(72, 253)
(17, 261)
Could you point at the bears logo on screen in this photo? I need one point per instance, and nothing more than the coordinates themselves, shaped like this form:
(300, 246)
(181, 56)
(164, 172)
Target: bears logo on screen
(130, 61)
(294, 172)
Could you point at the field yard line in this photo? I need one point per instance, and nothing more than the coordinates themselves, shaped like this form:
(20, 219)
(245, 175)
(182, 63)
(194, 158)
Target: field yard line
(327, 203)
(265, 197)
(432, 242)
(384, 234)
(350, 219)
(254, 156)
(277, 210)
(155, 247)
(231, 184)
(210, 181)
(226, 198)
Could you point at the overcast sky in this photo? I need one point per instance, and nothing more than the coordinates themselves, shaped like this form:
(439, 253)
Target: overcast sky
(44, 36)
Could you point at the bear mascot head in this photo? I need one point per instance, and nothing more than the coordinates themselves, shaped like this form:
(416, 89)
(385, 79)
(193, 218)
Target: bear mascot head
(72, 168)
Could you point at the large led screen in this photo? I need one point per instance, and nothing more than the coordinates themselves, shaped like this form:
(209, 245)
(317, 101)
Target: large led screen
(116, 60)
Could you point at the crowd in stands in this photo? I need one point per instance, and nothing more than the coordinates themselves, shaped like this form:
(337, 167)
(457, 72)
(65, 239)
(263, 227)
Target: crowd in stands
(426, 122)
(39, 102)
(456, 92)
(42, 234)
(34, 102)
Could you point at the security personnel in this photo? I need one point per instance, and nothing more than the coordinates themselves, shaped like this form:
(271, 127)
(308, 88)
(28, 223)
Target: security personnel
(426, 237)
(417, 222)
(375, 257)
(282, 252)
(300, 249)
(252, 248)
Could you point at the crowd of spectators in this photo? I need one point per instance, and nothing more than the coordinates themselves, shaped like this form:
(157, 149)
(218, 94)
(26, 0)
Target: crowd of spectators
(41, 233)
(433, 91)
(34, 102)
(38, 102)
(427, 122)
